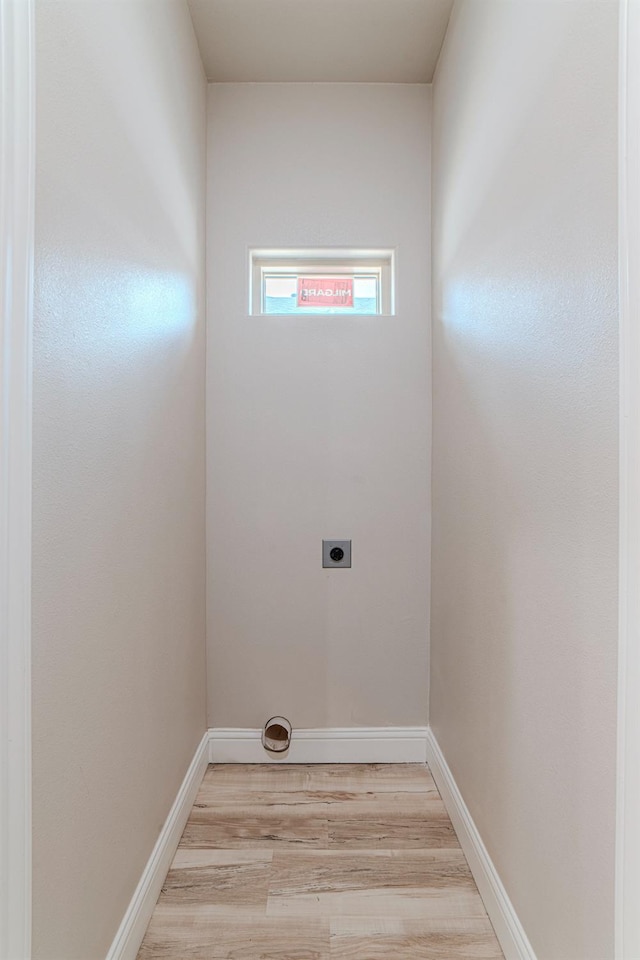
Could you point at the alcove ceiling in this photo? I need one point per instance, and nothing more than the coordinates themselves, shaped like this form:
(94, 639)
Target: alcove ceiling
(331, 41)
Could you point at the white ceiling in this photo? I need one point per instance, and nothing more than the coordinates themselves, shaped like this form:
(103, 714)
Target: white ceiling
(366, 41)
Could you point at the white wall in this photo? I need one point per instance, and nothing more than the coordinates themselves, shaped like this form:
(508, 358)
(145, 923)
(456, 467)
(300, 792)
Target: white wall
(118, 546)
(318, 427)
(525, 451)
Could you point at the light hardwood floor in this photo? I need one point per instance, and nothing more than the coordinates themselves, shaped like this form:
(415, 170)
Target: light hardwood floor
(319, 862)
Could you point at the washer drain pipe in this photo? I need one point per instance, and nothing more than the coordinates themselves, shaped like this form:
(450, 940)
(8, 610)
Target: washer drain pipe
(276, 735)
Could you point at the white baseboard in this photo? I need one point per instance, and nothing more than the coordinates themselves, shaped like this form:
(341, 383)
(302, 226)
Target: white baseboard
(134, 924)
(510, 932)
(328, 745)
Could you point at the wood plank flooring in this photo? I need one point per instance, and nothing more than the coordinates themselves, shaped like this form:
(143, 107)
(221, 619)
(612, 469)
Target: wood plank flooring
(319, 862)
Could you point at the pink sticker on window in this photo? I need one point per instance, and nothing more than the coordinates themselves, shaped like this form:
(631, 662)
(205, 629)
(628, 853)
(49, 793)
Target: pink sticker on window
(325, 291)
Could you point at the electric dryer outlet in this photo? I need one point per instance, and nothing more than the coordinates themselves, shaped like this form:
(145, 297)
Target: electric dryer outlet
(336, 553)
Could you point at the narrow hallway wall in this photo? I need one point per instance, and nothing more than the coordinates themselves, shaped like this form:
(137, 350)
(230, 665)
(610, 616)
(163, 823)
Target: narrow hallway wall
(118, 538)
(317, 425)
(524, 605)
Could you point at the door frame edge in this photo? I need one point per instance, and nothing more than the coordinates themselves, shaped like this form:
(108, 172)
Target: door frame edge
(17, 201)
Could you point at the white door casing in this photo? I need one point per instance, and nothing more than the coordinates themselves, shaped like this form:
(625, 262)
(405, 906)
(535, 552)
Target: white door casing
(17, 174)
(628, 802)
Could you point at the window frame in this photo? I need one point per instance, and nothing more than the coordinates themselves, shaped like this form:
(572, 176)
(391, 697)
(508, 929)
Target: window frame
(322, 262)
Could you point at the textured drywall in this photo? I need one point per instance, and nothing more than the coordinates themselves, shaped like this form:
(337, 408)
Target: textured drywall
(118, 537)
(318, 426)
(523, 627)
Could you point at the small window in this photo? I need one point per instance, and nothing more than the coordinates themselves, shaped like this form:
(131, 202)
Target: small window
(321, 282)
